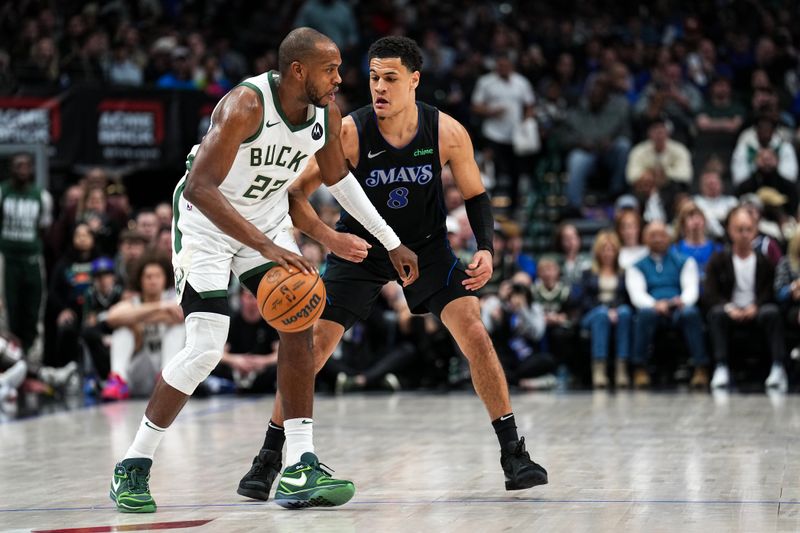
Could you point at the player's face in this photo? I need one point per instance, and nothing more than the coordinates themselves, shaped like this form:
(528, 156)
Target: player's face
(392, 86)
(323, 77)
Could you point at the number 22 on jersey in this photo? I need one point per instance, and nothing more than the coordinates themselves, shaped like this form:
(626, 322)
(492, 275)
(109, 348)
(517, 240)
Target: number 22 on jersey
(263, 184)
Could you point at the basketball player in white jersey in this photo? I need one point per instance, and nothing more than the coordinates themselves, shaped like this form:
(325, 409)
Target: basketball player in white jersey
(231, 214)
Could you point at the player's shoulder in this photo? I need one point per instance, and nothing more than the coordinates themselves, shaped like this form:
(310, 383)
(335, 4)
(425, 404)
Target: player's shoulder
(241, 101)
(450, 127)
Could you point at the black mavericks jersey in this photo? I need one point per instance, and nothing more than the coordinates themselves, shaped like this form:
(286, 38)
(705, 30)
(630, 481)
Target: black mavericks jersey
(404, 184)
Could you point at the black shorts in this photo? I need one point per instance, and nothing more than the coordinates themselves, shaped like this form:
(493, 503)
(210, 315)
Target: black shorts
(353, 288)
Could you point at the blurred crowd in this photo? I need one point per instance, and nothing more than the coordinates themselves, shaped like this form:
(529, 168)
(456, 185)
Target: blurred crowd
(654, 145)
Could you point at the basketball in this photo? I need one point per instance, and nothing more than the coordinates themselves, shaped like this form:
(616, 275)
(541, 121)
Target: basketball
(290, 301)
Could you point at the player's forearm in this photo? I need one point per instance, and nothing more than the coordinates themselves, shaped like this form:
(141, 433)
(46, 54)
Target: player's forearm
(354, 200)
(306, 219)
(211, 202)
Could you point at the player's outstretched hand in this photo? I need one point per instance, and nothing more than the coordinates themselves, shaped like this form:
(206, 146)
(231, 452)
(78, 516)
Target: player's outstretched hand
(405, 263)
(479, 270)
(288, 260)
(350, 247)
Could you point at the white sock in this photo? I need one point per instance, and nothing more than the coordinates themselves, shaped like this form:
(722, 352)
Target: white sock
(299, 438)
(147, 440)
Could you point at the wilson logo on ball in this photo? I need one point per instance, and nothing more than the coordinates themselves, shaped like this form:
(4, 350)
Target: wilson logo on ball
(305, 312)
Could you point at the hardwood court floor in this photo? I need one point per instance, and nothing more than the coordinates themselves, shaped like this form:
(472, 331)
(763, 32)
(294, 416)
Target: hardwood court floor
(625, 462)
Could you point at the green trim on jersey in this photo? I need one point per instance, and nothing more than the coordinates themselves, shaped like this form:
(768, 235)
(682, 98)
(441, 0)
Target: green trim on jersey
(177, 215)
(326, 123)
(263, 111)
(277, 102)
(257, 270)
(221, 293)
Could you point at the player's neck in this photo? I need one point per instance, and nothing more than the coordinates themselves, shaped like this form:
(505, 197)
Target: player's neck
(399, 129)
(295, 109)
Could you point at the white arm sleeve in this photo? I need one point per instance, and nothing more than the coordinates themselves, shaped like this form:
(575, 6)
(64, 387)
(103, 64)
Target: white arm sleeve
(352, 198)
(637, 289)
(690, 282)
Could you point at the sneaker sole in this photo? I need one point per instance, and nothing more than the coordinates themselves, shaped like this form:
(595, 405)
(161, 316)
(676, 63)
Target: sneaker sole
(254, 494)
(122, 508)
(526, 483)
(332, 497)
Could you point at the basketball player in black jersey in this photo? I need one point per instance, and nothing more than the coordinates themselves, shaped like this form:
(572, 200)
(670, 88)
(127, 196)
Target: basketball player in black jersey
(397, 147)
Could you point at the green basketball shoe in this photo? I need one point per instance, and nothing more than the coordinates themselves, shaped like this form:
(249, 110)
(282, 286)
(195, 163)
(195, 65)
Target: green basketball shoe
(309, 484)
(129, 488)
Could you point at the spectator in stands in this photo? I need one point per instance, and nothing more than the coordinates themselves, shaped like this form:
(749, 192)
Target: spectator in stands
(87, 65)
(334, 18)
(628, 226)
(503, 98)
(517, 325)
(787, 289)
(147, 225)
(596, 134)
(210, 77)
(13, 370)
(94, 212)
(26, 212)
(573, 261)
(123, 69)
(739, 291)
(106, 291)
(555, 297)
(164, 214)
(163, 243)
(672, 97)
(180, 75)
(658, 195)
(42, 67)
(752, 142)
(659, 152)
(766, 175)
(605, 309)
(251, 354)
(132, 246)
(765, 240)
(718, 122)
(8, 81)
(148, 331)
(664, 288)
(691, 238)
(712, 201)
(71, 278)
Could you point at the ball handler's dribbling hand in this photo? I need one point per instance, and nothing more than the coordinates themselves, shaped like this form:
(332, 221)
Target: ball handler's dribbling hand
(285, 258)
(479, 270)
(405, 263)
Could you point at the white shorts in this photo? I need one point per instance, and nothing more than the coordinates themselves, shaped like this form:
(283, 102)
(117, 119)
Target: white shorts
(204, 256)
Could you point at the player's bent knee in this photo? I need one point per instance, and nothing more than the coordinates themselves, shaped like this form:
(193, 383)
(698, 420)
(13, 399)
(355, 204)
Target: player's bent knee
(206, 334)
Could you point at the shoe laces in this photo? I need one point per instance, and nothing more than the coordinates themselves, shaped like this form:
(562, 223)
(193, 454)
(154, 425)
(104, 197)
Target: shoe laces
(519, 449)
(325, 469)
(137, 481)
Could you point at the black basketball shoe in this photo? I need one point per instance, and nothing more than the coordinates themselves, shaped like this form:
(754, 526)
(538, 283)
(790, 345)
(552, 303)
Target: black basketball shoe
(520, 471)
(257, 482)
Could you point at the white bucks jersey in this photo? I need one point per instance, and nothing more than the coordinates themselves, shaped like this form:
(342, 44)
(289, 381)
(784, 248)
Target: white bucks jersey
(269, 161)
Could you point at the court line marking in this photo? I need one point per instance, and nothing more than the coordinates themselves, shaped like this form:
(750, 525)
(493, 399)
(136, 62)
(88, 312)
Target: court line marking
(431, 502)
(180, 524)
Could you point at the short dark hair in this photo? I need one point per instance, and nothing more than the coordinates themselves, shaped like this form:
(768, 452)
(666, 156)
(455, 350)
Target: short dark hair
(299, 45)
(406, 49)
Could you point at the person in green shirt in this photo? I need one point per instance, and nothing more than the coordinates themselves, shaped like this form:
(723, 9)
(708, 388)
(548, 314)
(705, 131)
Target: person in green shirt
(25, 213)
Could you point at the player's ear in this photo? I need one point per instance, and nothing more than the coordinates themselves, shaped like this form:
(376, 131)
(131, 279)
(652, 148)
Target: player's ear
(297, 70)
(415, 79)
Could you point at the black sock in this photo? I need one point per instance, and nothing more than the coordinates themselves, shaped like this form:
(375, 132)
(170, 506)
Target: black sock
(275, 437)
(506, 429)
